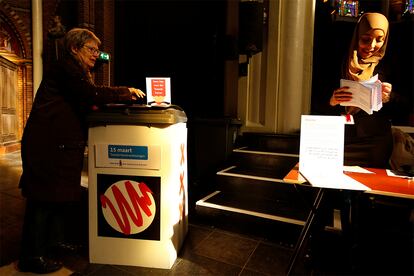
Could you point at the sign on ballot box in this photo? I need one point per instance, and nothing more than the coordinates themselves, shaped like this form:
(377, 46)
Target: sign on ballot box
(158, 91)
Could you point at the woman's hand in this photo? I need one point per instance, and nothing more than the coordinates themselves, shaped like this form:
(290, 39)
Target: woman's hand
(386, 91)
(340, 95)
(136, 93)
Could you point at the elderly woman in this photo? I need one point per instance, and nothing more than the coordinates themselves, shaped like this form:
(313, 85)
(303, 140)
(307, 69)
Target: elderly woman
(53, 146)
(368, 141)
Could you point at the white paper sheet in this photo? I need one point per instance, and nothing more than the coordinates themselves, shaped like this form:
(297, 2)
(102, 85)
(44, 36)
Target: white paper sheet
(361, 95)
(322, 144)
(341, 181)
(366, 95)
(357, 169)
(396, 174)
(321, 155)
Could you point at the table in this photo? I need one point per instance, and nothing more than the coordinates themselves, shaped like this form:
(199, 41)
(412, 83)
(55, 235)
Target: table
(378, 181)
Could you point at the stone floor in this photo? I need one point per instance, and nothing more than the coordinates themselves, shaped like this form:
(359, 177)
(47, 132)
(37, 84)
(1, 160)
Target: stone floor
(215, 250)
(207, 250)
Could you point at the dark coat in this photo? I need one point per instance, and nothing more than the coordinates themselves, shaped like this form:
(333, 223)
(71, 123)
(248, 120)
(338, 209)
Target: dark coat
(55, 135)
(368, 142)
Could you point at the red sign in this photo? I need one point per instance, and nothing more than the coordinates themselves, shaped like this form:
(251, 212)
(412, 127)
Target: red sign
(158, 88)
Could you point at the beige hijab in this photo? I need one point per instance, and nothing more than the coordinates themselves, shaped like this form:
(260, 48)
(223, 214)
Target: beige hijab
(359, 69)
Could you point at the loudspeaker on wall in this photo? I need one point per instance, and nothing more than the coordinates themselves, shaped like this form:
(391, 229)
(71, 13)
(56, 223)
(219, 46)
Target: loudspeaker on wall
(251, 19)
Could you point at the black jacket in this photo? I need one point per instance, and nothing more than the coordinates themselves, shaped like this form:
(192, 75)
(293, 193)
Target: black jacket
(368, 142)
(55, 135)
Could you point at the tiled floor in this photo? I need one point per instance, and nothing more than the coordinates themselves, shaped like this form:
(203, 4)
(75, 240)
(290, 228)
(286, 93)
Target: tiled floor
(207, 250)
(215, 250)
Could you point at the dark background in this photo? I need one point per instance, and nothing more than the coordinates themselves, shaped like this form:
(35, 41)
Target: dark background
(178, 39)
(331, 41)
(186, 40)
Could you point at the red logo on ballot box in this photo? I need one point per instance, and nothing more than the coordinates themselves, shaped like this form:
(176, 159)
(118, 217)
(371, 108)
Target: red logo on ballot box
(129, 206)
(158, 87)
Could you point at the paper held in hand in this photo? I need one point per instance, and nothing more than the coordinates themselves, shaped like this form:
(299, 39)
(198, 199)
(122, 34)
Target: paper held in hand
(321, 155)
(366, 95)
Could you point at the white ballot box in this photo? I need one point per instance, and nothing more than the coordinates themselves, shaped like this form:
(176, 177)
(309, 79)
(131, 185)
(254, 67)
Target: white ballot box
(138, 200)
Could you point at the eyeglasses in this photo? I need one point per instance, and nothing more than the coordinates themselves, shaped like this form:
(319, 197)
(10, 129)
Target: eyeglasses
(92, 50)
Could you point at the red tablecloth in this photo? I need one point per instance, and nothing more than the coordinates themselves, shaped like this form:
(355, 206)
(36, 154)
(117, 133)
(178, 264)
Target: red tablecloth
(378, 181)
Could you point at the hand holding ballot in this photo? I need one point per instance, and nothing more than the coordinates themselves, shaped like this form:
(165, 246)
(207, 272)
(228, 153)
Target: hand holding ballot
(368, 95)
(386, 91)
(340, 95)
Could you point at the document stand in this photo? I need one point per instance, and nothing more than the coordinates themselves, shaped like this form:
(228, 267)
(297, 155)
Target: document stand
(306, 228)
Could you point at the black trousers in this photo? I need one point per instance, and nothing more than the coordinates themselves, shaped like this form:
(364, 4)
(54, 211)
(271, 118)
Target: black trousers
(44, 226)
(347, 246)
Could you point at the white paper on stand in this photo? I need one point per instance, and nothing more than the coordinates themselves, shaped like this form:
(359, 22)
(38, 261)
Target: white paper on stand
(321, 144)
(322, 153)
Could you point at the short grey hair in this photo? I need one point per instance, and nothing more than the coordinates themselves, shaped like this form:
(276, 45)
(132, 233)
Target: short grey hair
(77, 37)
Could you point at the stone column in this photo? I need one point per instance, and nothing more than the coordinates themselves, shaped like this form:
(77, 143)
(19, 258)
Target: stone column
(37, 31)
(296, 48)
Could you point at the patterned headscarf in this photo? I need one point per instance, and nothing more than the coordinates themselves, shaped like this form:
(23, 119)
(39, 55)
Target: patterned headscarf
(359, 69)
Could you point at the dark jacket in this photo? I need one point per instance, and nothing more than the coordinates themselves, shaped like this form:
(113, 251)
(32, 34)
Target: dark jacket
(55, 135)
(368, 142)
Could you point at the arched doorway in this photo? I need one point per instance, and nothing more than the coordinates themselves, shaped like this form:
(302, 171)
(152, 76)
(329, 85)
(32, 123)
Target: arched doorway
(15, 86)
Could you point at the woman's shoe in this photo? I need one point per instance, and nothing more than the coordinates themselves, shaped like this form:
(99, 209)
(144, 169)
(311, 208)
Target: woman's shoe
(39, 265)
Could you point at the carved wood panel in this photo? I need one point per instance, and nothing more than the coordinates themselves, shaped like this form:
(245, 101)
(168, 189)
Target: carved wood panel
(8, 102)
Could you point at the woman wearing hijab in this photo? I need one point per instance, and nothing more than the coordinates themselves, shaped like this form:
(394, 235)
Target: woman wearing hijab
(368, 142)
(53, 145)
(368, 138)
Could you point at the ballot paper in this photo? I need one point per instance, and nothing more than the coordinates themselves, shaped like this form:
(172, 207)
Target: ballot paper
(158, 91)
(321, 155)
(341, 181)
(366, 95)
(356, 169)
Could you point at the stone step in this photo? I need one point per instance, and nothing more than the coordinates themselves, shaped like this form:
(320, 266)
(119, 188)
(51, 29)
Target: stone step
(266, 188)
(267, 163)
(269, 218)
(269, 142)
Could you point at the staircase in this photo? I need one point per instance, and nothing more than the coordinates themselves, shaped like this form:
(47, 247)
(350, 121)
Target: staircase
(250, 195)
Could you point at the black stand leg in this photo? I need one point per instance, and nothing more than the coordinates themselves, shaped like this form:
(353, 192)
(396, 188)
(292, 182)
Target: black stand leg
(305, 231)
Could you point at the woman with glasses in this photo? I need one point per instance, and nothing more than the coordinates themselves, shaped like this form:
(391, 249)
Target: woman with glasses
(53, 146)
